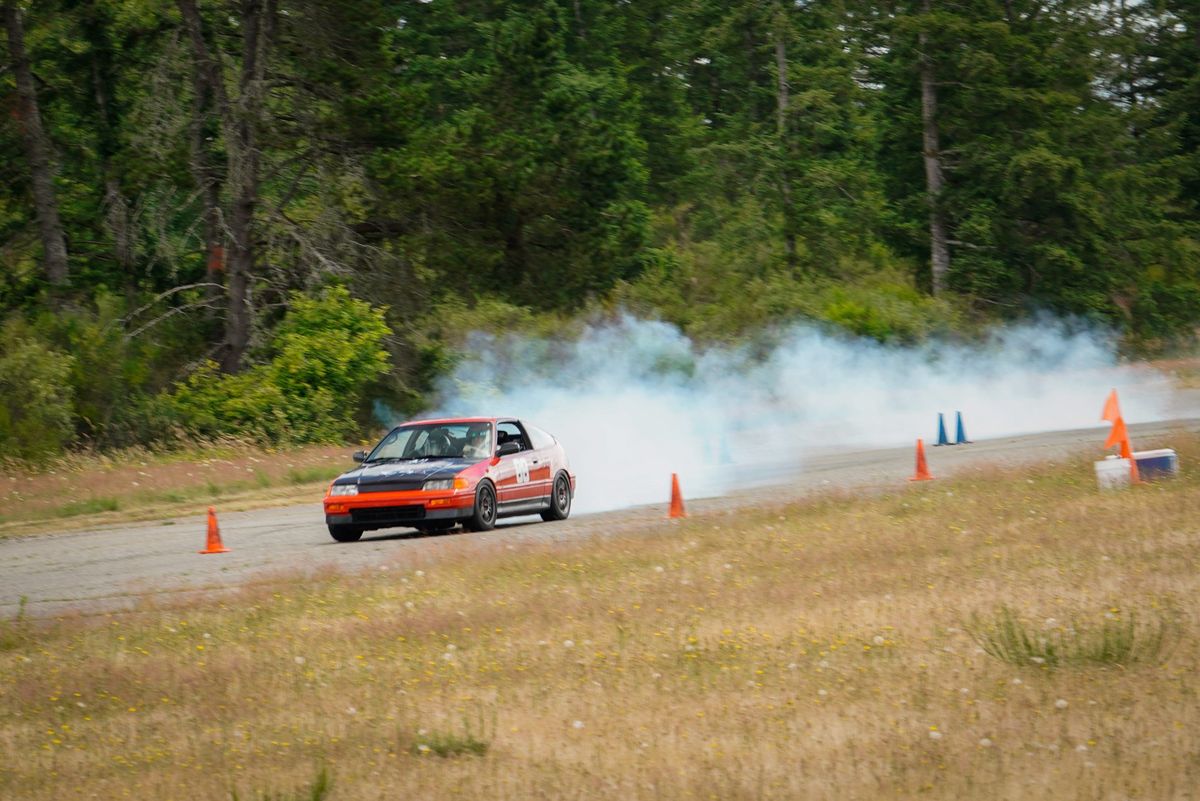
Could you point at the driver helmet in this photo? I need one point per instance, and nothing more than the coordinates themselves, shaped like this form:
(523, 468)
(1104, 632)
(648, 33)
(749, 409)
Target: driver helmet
(477, 436)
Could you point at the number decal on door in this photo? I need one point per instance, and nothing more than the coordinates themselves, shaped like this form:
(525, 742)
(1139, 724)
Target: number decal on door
(522, 466)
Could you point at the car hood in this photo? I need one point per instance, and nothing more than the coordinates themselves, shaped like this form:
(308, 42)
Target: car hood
(394, 476)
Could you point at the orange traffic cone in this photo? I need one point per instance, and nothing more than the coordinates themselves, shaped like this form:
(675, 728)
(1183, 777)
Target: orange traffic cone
(214, 534)
(676, 498)
(1119, 436)
(1112, 408)
(922, 469)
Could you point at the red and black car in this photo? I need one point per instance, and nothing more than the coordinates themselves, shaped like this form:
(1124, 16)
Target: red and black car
(434, 474)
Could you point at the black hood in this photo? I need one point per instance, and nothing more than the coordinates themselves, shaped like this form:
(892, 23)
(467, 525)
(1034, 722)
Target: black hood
(409, 474)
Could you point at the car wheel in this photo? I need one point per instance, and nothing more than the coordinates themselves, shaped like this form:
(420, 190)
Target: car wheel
(560, 499)
(484, 518)
(346, 533)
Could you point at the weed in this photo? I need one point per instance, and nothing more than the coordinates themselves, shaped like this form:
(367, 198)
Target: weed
(450, 744)
(1117, 640)
(317, 791)
(15, 633)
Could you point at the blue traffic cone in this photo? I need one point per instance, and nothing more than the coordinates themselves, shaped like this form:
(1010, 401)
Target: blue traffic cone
(960, 436)
(942, 439)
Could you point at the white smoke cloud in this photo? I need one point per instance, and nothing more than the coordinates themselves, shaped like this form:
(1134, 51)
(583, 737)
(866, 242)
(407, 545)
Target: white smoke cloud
(633, 401)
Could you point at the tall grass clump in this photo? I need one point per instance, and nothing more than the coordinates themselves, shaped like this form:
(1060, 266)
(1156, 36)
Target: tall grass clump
(1117, 640)
(15, 633)
(451, 744)
(318, 790)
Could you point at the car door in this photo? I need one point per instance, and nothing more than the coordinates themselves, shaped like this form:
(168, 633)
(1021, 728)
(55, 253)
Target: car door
(541, 474)
(516, 485)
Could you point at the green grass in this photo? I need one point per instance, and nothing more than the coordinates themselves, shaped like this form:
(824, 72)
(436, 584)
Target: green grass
(310, 475)
(449, 745)
(1119, 639)
(88, 506)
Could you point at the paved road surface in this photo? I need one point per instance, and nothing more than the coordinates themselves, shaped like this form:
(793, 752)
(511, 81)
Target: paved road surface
(120, 567)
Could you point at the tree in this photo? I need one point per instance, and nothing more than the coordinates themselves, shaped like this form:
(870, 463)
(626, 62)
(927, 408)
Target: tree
(240, 119)
(931, 153)
(38, 151)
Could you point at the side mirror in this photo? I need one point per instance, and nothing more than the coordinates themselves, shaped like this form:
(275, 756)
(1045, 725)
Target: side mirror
(508, 448)
(359, 456)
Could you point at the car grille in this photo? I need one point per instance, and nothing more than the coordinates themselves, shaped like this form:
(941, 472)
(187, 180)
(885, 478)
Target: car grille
(388, 514)
(390, 486)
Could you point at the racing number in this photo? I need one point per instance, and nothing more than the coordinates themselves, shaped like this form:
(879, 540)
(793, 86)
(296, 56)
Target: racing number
(522, 467)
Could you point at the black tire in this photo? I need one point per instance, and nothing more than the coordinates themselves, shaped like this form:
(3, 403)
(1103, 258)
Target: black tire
(560, 499)
(346, 533)
(484, 518)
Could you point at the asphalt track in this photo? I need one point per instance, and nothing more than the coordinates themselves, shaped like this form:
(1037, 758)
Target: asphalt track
(92, 572)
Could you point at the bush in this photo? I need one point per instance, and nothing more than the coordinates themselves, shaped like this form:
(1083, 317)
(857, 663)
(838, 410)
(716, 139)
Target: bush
(35, 394)
(885, 310)
(324, 354)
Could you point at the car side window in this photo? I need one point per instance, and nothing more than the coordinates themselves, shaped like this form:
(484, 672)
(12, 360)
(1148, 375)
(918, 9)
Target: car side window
(511, 432)
(538, 437)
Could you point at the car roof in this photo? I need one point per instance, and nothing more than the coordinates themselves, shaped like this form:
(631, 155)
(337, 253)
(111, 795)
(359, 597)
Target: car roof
(458, 420)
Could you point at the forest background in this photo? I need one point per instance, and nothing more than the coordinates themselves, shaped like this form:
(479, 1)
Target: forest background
(259, 218)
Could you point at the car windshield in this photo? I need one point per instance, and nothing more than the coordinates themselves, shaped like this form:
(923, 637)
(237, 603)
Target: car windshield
(435, 441)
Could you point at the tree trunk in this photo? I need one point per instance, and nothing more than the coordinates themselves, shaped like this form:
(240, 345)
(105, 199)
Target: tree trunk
(37, 151)
(782, 103)
(939, 250)
(240, 126)
(116, 207)
(205, 110)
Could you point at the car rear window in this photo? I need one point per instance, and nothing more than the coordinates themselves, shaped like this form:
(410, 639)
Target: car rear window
(539, 437)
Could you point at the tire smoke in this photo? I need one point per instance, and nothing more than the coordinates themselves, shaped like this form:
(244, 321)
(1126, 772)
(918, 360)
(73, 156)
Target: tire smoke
(633, 400)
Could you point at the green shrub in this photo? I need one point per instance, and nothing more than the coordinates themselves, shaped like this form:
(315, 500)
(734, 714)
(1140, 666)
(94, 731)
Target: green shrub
(35, 394)
(884, 310)
(324, 354)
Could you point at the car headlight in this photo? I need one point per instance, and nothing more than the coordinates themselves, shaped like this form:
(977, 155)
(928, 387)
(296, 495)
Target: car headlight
(456, 483)
(343, 489)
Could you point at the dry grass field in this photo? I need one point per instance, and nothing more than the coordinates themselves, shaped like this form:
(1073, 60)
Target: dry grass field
(1004, 635)
(86, 490)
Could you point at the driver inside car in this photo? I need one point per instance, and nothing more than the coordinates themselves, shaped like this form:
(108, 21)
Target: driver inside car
(478, 443)
(436, 445)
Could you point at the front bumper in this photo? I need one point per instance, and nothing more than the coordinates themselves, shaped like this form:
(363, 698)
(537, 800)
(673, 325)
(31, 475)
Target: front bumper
(385, 510)
(384, 516)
